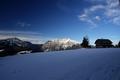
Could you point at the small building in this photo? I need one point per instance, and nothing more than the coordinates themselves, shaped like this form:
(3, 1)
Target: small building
(119, 44)
(103, 43)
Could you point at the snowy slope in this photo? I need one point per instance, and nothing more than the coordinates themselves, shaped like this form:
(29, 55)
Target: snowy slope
(83, 64)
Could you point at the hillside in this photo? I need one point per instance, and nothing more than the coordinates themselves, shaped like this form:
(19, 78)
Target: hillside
(81, 64)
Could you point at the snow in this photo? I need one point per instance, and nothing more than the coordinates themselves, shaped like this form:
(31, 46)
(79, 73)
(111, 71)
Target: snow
(1, 50)
(81, 64)
(65, 41)
(24, 52)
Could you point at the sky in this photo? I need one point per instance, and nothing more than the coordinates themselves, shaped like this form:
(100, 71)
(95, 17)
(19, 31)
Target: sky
(41, 20)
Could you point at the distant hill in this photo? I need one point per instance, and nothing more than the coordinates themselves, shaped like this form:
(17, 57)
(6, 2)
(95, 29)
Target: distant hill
(11, 46)
(14, 42)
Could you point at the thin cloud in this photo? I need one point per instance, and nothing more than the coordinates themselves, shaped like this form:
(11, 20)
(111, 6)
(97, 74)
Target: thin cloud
(23, 24)
(33, 37)
(88, 17)
(97, 18)
(96, 7)
(7, 32)
(110, 13)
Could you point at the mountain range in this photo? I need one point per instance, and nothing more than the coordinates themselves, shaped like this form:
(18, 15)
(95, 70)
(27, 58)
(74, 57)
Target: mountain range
(14, 45)
(59, 44)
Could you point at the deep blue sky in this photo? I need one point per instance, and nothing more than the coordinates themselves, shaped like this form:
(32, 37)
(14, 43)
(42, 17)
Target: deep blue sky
(62, 18)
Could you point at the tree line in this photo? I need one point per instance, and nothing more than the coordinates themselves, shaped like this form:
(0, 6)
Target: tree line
(99, 43)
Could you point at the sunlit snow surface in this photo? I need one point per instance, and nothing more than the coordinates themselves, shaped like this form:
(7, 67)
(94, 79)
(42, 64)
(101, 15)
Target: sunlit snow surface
(82, 64)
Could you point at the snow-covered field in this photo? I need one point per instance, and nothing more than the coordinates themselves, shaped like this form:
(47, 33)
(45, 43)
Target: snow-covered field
(82, 64)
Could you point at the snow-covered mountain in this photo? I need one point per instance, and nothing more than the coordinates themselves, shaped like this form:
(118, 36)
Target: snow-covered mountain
(59, 44)
(14, 42)
(52, 45)
(65, 41)
(12, 46)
